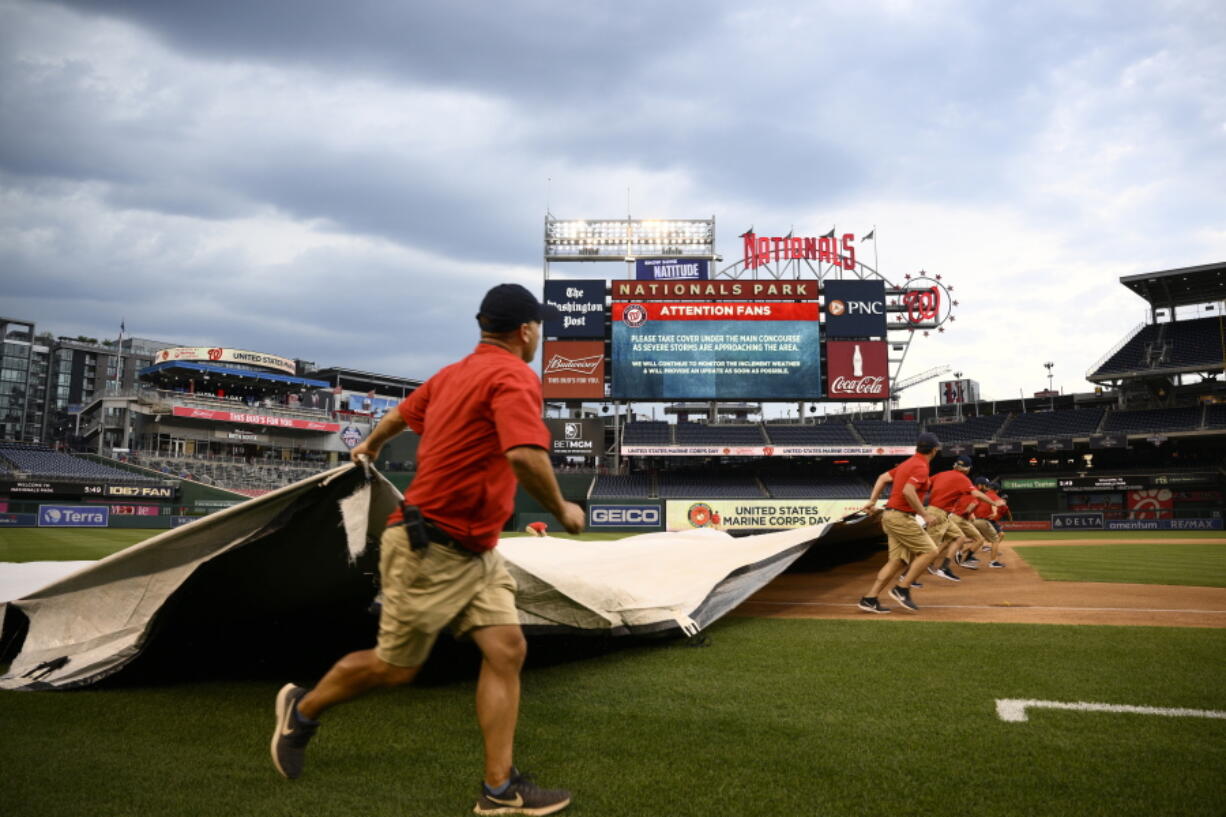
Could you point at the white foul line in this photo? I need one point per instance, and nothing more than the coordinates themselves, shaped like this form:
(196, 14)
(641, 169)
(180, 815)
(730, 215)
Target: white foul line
(1014, 709)
(1011, 607)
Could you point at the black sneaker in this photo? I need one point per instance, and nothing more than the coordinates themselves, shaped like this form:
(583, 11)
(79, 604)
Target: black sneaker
(872, 606)
(902, 595)
(970, 564)
(522, 797)
(290, 737)
(917, 585)
(936, 571)
(946, 573)
(995, 563)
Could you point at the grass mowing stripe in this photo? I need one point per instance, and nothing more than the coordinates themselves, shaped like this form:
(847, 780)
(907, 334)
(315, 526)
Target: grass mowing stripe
(1188, 564)
(67, 544)
(777, 716)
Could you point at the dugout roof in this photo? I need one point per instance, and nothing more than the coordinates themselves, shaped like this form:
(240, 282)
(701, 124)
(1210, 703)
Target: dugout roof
(1180, 287)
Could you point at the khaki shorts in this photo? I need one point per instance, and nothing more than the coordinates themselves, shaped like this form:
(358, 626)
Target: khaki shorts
(987, 531)
(968, 528)
(945, 530)
(907, 538)
(429, 589)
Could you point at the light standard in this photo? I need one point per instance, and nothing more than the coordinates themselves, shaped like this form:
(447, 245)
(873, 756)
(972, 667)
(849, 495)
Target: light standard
(959, 395)
(1050, 394)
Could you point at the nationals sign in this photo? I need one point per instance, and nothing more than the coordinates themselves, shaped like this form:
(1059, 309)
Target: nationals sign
(857, 370)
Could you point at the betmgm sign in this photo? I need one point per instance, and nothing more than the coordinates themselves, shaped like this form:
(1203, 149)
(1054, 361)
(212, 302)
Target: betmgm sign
(576, 437)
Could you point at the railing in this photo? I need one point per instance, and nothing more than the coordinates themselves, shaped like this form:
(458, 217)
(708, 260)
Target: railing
(1136, 330)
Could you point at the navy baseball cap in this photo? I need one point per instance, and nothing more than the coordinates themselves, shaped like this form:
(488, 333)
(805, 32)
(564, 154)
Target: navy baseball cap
(982, 480)
(929, 439)
(965, 460)
(508, 306)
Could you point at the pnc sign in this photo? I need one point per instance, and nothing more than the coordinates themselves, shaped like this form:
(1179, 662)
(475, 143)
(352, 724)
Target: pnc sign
(854, 309)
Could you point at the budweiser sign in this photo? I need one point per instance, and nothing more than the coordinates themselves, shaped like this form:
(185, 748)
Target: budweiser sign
(583, 365)
(857, 370)
(573, 369)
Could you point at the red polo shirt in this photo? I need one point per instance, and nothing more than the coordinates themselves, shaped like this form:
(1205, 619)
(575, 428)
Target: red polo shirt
(911, 471)
(986, 511)
(469, 415)
(948, 489)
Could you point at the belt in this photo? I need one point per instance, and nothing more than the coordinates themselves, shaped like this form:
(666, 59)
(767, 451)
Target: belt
(439, 537)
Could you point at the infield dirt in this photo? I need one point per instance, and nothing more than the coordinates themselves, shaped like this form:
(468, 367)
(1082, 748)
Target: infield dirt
(1014, 594)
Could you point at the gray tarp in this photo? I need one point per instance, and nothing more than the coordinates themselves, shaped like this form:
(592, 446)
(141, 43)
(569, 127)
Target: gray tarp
(294, 572)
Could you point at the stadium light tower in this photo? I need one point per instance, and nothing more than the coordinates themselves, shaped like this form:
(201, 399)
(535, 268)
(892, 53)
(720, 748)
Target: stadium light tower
(1048, 365)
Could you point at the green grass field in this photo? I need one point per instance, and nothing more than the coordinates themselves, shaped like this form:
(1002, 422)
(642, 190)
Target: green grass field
(774, 717)
(1186, 563)
(66, 544)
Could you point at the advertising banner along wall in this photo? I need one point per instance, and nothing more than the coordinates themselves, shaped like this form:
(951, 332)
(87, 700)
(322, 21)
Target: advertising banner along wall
(750, 514)
(254, 419)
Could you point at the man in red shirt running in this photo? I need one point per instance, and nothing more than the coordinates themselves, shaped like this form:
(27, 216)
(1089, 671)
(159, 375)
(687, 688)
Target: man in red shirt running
(908, 542)
(481, 433)
(953, 497)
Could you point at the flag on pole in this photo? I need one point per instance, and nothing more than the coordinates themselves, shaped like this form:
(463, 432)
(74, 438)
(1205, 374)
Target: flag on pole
(869, 237)
(829, 234)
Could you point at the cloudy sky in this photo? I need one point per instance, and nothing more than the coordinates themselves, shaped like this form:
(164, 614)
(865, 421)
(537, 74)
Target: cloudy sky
(341, 182)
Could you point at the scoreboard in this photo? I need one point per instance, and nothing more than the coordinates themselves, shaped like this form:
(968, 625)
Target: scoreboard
(715, 340)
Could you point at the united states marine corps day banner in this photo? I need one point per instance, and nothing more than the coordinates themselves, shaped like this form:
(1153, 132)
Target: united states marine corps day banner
(737, 514)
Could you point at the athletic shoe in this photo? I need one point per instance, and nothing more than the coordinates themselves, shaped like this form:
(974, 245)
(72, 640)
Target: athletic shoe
(986, 548)
(522, 797)
(290, 737)
(917, 585)
(946, 573)
(902, 595)
(995, 563)
(934, 570)
(970, 564)
(872, 606)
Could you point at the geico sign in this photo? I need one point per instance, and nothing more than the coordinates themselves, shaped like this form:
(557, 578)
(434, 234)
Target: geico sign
(625, 515)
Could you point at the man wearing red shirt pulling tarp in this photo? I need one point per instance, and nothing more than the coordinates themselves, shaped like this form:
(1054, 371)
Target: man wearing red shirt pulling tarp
(953, 498)
(908, 542)
(481, 433)
(987, 521)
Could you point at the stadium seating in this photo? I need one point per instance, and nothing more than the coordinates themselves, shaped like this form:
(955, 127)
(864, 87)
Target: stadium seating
(622, 485)
(816, 487)
(236, 476)
(1139, 422)
(684, 484)
(1215, 416)
(972, 430)
(819, 434)
(1070, 423)
(702, 434)
(879, 432)
(1175, 345)
(647, 433)
(37, 461)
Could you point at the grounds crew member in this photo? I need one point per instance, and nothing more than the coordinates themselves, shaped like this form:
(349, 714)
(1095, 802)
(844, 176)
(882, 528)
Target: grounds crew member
(481, 431)
(986, 522)
(908, 542)
(952, 499)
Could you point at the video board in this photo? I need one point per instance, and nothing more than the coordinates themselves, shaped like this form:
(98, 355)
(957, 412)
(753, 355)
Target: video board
(716, 351)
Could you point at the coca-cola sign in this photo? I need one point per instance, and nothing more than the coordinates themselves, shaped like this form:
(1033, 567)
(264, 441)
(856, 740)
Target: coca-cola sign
(857, 370)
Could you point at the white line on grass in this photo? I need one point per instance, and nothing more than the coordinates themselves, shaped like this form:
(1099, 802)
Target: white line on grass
(1014, 709)
(992, 607)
